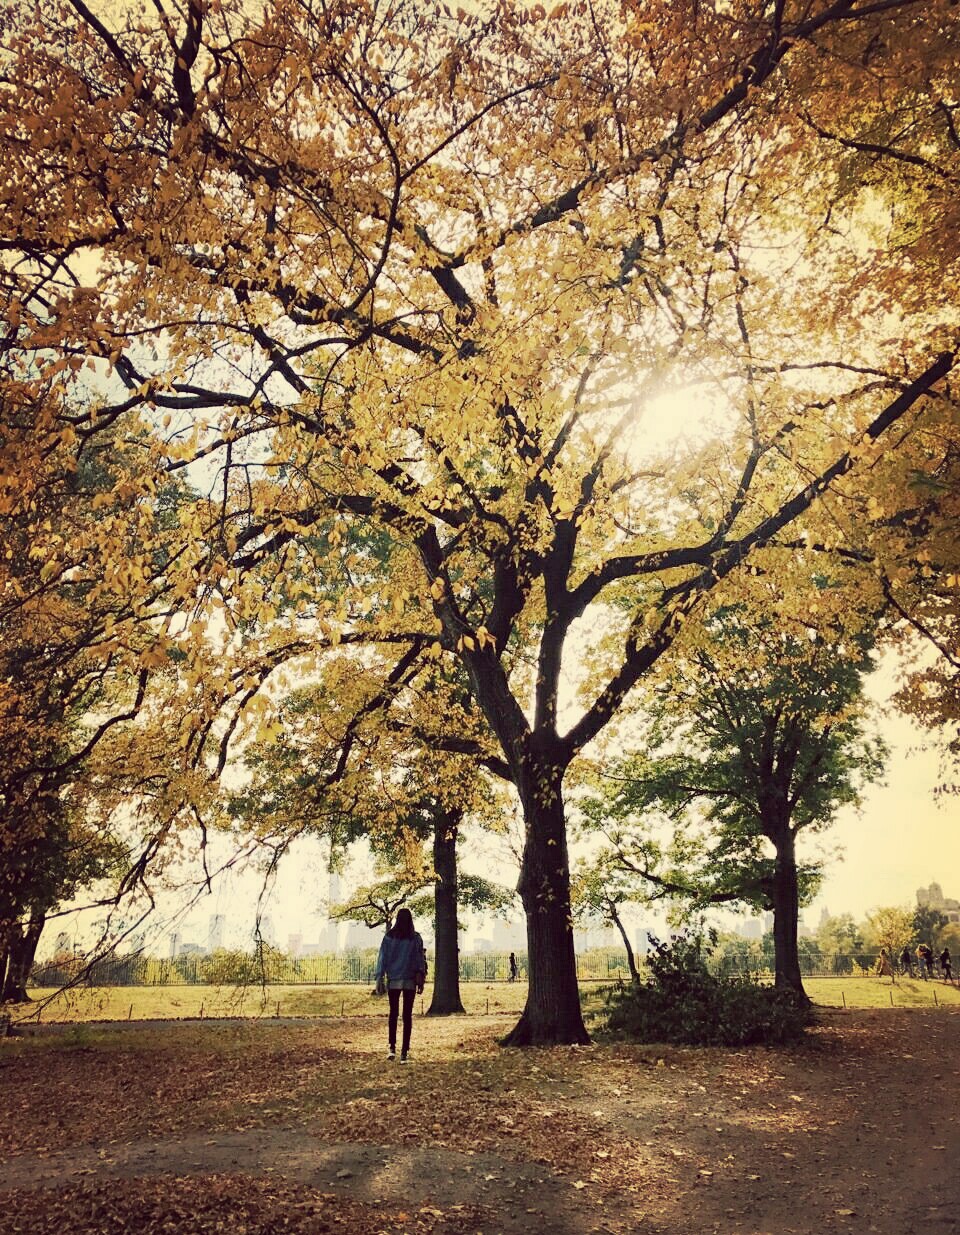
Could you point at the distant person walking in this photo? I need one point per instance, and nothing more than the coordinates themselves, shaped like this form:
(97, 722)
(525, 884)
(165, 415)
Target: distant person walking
(514, 971)
(946, 965)
(884, 968)
(906, 962)
(402, 969)
(925, 959)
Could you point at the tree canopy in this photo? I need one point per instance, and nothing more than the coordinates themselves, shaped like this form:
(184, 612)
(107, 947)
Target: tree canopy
(379, 270)
(755, 738)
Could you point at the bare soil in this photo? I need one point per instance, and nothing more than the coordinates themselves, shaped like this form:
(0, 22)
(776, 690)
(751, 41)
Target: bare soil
(306, 1127)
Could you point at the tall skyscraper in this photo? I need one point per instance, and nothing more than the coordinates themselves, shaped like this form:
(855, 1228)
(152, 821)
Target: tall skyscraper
(215, 932)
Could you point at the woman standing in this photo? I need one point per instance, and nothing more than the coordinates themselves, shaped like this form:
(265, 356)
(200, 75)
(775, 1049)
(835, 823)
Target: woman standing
(402, 968)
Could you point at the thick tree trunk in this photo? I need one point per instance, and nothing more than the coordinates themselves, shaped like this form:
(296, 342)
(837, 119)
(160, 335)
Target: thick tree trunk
(20, 957)
(786, 912)
(552, 1013)
(618, 923)
(446, 965)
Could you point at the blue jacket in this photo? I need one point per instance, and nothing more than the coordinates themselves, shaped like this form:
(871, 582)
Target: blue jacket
(402, 960)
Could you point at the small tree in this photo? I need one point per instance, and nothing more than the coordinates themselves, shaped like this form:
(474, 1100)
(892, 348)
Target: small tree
(890, 927)
(600, 889)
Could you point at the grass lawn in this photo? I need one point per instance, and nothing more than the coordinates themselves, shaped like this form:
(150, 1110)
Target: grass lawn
(182, 1002)
(187, 1002)
(876, 993)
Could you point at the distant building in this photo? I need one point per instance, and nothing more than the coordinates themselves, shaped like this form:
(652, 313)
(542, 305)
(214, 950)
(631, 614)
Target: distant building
(191, 949)
(483, 945)
(174, 943)
(751, 928)
(294, 945)
(933, 898)
(509, 936)
(359, 936)
(215, 932)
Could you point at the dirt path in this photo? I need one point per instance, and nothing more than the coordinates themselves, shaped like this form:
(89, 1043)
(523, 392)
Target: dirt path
(377, 1174)
(856, 1131)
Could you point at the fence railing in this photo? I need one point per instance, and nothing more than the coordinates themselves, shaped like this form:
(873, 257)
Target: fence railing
(224, 968)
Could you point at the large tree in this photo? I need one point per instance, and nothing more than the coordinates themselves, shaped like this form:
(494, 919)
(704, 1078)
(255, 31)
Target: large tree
(371, 264)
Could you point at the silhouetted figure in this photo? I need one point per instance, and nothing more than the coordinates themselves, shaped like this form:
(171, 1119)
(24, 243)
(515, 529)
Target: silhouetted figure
(514, 971)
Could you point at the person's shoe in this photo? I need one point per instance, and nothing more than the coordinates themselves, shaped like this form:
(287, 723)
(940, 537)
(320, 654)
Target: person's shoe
(392, 1052)
(404, 1059)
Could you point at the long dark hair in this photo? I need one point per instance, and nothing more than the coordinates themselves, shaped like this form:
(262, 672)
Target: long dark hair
(403, 927)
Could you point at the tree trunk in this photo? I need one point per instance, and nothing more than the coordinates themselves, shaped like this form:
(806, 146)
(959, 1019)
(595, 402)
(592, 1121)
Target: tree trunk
(552, 1013)
(22, 950)
(786, 912)
(618, 923)
(446, 964)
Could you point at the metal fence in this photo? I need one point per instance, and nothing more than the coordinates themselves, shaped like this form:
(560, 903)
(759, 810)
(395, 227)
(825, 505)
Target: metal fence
(239, 968)
(225, 968)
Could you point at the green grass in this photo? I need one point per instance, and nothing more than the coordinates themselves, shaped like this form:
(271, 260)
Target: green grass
(182, 1002)
(145, 1003)
(872, 992)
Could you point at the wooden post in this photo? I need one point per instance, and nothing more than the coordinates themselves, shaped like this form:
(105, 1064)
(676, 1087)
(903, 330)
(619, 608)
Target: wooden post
(891, 996)
(844, 998)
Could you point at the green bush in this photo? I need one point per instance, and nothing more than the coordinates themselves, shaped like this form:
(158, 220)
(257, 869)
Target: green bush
(683, 1002)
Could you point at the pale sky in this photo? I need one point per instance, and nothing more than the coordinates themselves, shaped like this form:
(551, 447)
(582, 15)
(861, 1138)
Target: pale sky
(904, 837)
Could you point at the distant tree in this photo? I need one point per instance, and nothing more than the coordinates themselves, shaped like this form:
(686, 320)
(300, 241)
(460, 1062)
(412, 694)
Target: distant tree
(928, 924)
(327, 766)
(376, 904)
(61, 848)
(427, 893)
(735, 953)
(840, 935)
(950, 938)
(890, 927)
(756, 735)
(600, 888)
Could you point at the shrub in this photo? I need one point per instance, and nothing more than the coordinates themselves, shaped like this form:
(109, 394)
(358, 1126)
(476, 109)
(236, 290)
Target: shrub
(683, 1002)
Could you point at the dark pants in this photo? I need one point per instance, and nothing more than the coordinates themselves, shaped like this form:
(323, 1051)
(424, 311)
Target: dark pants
(394, 997)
